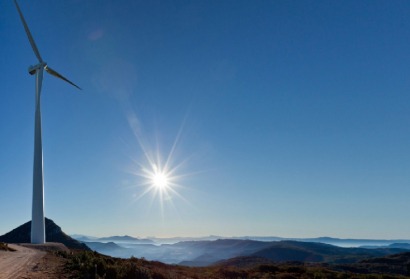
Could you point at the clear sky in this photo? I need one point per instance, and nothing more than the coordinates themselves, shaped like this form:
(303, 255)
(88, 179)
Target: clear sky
(290, 118)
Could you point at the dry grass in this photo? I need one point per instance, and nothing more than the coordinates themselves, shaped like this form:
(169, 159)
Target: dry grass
(94, 265)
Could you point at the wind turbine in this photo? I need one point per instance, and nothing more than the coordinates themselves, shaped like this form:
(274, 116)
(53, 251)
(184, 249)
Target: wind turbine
(37, 220)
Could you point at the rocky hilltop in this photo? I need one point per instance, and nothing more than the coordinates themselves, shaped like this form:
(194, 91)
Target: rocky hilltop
(54, 233)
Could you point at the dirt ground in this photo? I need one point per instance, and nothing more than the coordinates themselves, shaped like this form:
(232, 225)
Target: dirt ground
(32, 262)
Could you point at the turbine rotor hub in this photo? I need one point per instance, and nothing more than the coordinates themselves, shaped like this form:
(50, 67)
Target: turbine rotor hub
(33, 69)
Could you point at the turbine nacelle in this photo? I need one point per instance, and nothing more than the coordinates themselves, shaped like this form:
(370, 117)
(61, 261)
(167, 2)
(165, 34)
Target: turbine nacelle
(43, 65)
(33, 69)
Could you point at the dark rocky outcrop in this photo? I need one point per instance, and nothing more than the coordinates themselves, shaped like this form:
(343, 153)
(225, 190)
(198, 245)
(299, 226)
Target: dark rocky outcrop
(54, 233)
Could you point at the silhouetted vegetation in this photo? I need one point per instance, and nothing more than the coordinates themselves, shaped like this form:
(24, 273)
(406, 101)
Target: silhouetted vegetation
(5, 247)
(392, 264)
(86, 264)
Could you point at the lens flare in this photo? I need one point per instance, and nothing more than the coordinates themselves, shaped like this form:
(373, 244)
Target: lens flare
(158, 174)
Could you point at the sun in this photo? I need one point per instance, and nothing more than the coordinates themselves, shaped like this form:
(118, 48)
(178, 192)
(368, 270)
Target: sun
(158, 175)
(160, 180)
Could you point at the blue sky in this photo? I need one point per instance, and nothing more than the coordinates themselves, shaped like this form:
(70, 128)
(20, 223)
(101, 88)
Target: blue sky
(291, 118)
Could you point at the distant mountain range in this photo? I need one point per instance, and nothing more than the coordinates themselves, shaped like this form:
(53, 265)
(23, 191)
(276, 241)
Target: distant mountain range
(209, 252)
(152, 240)
(118, 239)
(343, 242)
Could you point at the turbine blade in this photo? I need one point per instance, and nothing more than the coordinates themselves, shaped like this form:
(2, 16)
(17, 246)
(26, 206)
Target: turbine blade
(30, 38)
(54, 73)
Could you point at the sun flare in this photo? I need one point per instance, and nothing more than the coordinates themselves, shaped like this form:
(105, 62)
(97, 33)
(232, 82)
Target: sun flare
(159, 175)
(160, 180)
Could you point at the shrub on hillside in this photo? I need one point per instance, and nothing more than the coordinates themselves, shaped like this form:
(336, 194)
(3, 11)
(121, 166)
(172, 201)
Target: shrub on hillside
(5, 247)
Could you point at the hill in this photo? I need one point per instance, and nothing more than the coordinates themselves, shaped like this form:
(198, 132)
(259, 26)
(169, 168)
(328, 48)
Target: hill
(391, 264)
(54, 233)
(285, 251)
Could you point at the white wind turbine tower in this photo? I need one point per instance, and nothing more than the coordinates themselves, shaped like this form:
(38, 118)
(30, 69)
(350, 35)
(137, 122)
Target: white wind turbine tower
(38, 221)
